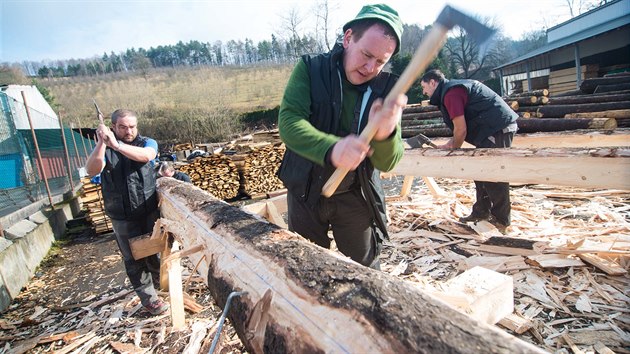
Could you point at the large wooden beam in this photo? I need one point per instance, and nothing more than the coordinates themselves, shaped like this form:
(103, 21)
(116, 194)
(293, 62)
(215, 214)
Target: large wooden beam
(569, 139)
(316, 300)
(589, 168)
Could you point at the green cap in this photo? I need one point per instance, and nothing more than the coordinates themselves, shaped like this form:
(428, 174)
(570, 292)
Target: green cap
(384, 13)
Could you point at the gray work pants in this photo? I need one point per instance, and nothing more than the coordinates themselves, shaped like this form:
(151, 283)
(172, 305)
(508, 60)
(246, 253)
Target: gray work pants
(144, 272)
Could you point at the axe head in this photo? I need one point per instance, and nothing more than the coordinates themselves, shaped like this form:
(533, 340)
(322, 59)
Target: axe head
(419, 141)
(477, 31)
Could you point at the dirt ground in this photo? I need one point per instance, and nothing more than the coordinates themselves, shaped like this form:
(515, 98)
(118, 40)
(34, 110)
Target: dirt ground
(80, 295)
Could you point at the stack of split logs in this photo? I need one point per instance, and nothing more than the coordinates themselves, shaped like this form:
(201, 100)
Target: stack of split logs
(246, 166)
(601, 103)
(216, 174)
(257, 164)
(92, 200)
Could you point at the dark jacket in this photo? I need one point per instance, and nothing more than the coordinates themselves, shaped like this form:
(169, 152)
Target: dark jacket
(128, 186)
(305, 178)
(486, 112)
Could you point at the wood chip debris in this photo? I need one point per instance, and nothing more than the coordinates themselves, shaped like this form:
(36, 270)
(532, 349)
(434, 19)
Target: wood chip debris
(568, 252)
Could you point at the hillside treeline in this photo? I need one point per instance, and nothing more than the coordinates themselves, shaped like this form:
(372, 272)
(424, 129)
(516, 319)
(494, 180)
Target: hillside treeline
(461, 57)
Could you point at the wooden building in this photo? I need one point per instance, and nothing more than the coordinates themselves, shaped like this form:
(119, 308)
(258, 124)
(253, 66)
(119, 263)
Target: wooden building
(597, 42)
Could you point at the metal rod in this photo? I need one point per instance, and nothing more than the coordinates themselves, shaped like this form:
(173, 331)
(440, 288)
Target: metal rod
(39, 155)
(65, 150)
(76, 150)
(232, 295)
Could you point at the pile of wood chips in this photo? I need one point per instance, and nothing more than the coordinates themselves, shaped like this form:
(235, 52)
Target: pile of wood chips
(568, 252)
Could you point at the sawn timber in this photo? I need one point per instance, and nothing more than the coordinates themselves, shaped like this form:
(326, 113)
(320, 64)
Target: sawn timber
(317, 301)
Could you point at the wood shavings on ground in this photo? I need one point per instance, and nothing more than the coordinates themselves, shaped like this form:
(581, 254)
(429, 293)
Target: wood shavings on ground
(568, 252)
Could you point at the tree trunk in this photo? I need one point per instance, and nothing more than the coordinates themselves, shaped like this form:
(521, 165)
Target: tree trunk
(430, 132)
(589, 85)
(301, 298)
(534, 125)
(618, 113)
(538, 93)
(551, 111)
(589, 99)
(422, 115)
(612, 88)
(416, 108)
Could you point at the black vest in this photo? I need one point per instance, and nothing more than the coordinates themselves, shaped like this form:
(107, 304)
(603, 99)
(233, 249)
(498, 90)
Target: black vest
(305, 178)
(128, 186)
(486, 112)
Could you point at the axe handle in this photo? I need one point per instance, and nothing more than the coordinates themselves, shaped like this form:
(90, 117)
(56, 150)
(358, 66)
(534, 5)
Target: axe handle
(424, 55)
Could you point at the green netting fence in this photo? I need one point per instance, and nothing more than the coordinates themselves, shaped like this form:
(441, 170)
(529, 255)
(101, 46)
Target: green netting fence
(22, 178)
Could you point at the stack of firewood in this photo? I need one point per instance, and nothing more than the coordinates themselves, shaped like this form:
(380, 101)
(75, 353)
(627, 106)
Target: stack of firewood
(257, 165)
(216, 174)
(92, 200)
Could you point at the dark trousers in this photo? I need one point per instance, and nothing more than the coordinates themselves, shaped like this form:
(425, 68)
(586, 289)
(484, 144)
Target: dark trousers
(347, 214)
(143, 272)
(493, 198)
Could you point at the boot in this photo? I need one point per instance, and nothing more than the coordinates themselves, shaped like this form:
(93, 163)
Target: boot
(473, 218)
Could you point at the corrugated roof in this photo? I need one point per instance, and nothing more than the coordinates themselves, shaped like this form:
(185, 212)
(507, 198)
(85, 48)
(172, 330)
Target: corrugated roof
(615, 23)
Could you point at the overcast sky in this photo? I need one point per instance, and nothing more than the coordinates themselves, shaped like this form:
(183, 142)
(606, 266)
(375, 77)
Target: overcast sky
(36, 30)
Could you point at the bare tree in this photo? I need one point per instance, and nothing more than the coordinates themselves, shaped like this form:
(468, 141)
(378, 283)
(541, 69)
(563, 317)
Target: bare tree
(468, 56)
(323, 10)
(291, 23)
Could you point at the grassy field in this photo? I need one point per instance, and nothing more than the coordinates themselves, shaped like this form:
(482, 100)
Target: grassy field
(194, 103)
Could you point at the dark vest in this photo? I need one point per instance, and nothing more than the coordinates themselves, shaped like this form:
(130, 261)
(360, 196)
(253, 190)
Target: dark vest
(128, 186)
(486, 112)
(305, 178)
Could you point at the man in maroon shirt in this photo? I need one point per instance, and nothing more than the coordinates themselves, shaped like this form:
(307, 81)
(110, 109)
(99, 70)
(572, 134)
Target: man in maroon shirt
(479, 116)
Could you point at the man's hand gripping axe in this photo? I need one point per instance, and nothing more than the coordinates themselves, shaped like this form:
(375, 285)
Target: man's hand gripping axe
(424, 55)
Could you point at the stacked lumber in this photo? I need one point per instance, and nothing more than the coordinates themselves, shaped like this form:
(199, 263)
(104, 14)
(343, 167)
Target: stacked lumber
(182, 147)
(257, 164)
(92, 200)
(216, 174)
(565, 79)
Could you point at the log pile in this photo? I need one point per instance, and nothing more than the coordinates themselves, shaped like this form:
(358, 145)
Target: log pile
(257, 165)
(216, 174)
(92, 200)
(539, 112)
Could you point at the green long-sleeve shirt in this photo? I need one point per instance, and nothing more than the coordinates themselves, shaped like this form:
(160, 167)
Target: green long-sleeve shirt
(300, 136)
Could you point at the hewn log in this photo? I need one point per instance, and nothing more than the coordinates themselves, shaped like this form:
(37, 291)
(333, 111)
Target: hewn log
(589, 85)
(559, 124)
(551, 111)
(607, 168)
(317, 301)
(572, 139)
(589, 99)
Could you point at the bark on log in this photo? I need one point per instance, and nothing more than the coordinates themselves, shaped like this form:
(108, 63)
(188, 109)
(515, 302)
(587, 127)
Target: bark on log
(318, 302)
(589, 85)
(422, 125)
(552, 111)
(559, 124)
(538, 93)
(417, 108)
(429, 132)
(589, 99)
(607, 168)
(619, 113)
(612, 88)
(421, 115)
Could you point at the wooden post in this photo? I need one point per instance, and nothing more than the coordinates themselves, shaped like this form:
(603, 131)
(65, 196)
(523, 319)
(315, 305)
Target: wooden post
(164, 283)
(39, 155)
(83, 142)
(74, 142)
(65, 150)
(176, 296)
